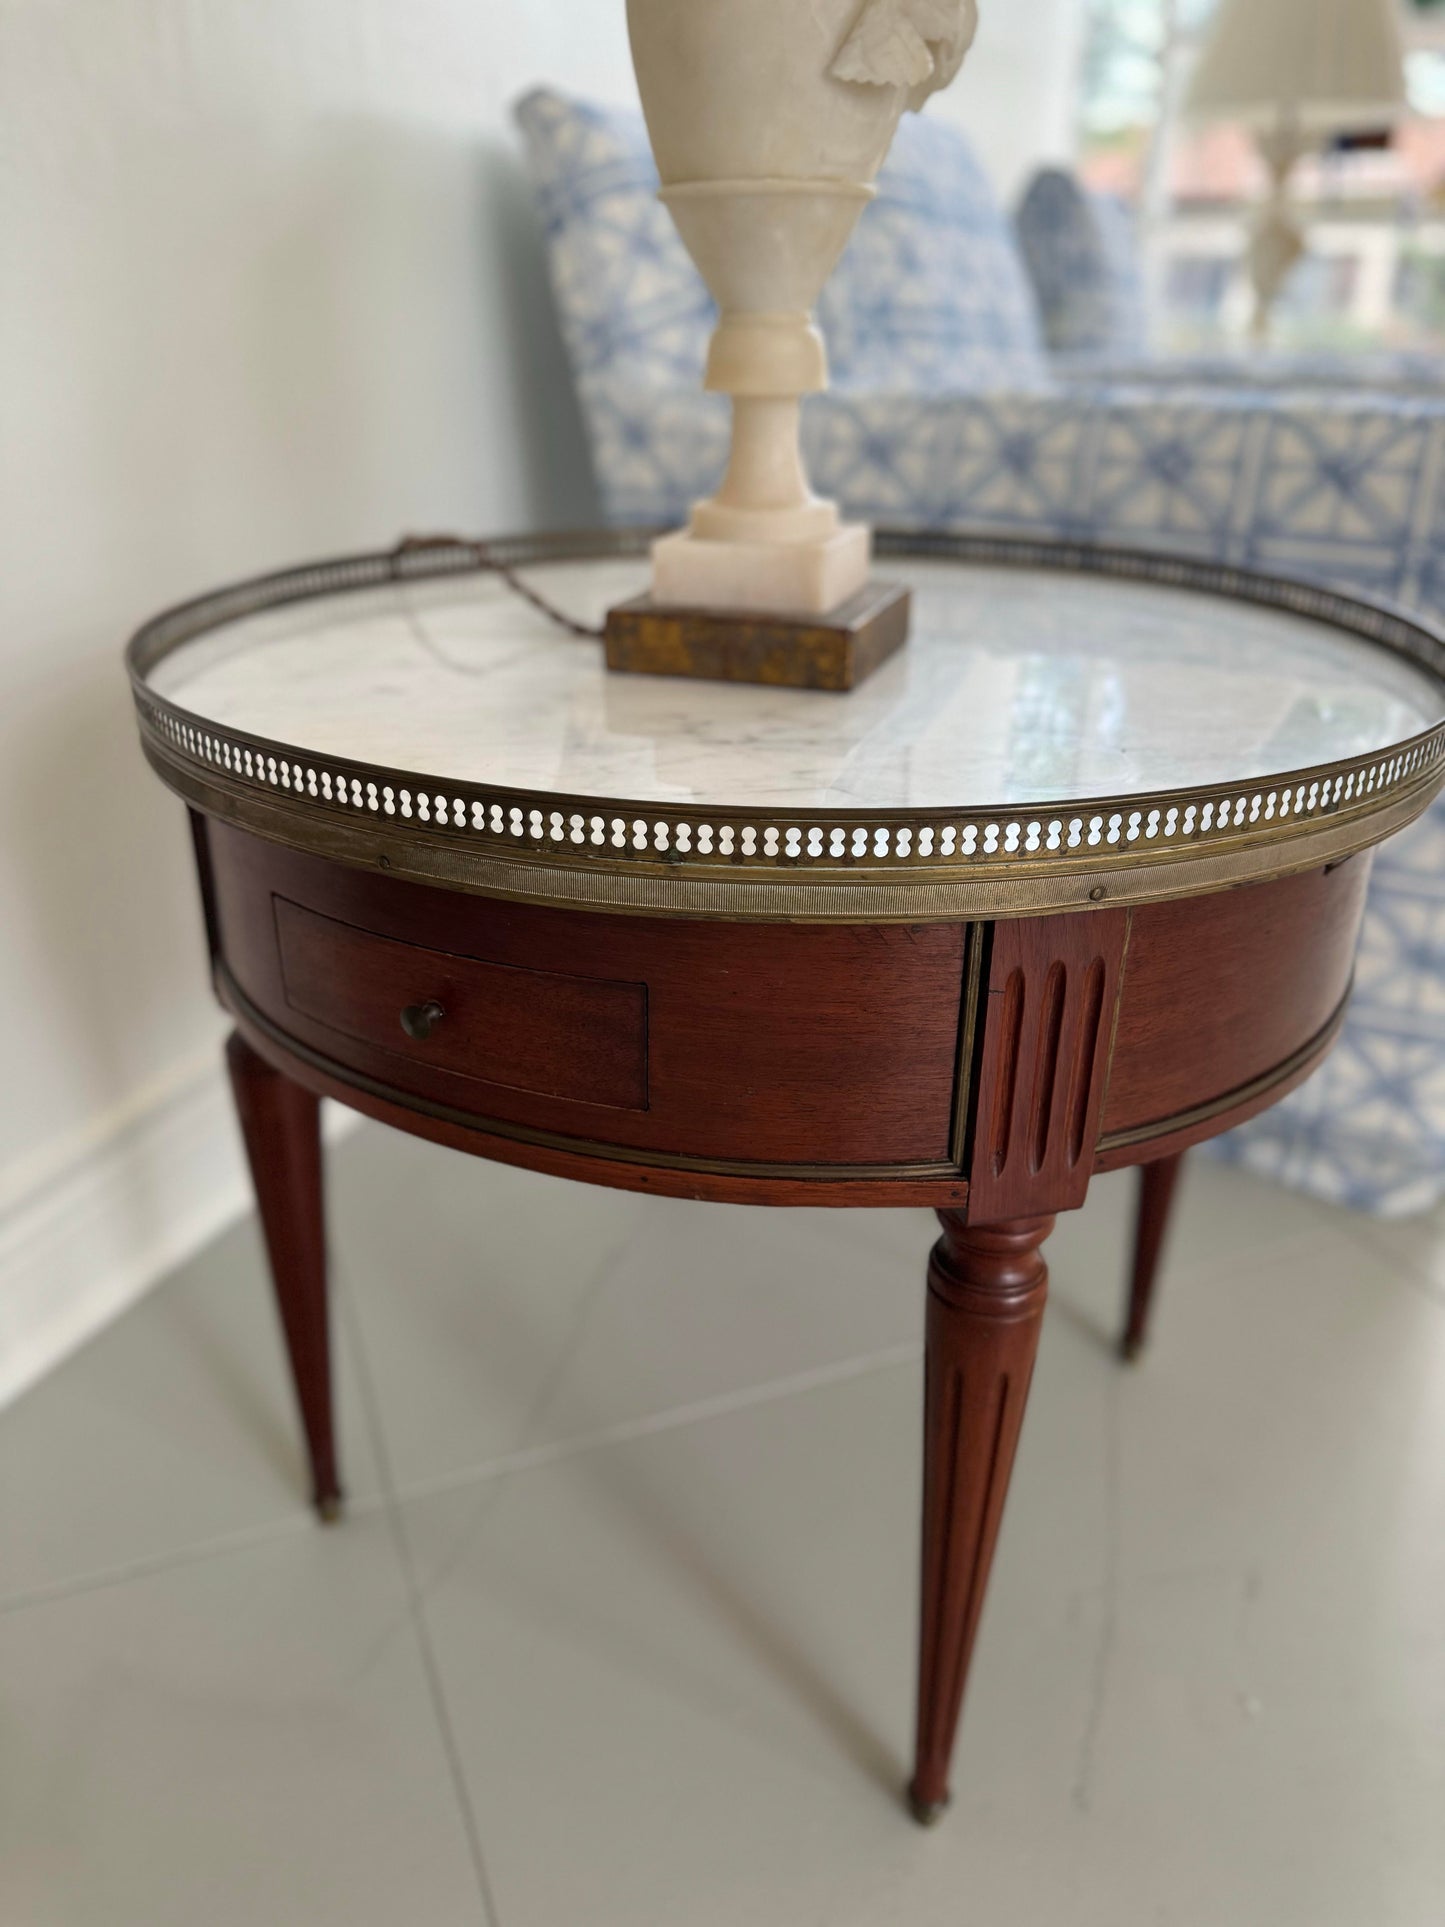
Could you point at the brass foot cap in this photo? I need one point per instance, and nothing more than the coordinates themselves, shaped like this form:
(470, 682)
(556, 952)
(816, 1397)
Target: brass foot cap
(927, 1813)
(1131, 1350)
(329, 1508)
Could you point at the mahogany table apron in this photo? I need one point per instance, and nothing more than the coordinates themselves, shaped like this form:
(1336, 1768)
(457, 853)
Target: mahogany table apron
(1005, 1003)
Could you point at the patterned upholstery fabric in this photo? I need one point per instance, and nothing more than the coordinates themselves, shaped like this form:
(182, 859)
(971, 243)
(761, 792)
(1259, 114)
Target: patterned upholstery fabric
(634, 309)
(1368, 1129)
(1347, 488)
(1082, 259)
(931, 297)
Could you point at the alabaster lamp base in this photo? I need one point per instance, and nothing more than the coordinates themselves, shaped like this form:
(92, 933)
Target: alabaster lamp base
(803, 614)
(799, 578)
(769, 123)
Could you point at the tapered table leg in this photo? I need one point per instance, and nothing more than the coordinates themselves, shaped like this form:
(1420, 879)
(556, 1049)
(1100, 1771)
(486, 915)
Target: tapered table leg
(281, 1125)
(1156, 1199)
(986, 1292)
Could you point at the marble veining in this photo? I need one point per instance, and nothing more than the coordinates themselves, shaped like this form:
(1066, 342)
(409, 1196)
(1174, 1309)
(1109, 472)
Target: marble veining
(1018, 687)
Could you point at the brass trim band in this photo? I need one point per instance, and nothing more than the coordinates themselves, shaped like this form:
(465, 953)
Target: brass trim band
(983, 893)
(752, 865)
(241, 1006)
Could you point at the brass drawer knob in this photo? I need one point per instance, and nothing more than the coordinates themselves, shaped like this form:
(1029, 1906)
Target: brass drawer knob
(420, 1020)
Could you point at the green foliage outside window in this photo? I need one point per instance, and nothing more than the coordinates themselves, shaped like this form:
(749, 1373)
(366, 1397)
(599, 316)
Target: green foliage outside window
(1125, 55)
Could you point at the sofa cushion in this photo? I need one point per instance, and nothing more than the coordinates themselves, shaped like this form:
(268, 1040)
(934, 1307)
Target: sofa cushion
(633, 308)
(1081, 255)
(931, 296)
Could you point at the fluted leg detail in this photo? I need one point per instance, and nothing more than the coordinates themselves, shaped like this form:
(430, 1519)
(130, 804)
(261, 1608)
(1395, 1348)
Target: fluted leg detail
(281, 1125)
(986, 1291)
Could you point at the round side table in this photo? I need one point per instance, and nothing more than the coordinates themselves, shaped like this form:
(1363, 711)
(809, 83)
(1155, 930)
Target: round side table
(1073, 883)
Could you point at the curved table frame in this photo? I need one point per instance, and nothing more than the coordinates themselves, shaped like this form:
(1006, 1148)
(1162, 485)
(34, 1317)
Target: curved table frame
(936, 1031)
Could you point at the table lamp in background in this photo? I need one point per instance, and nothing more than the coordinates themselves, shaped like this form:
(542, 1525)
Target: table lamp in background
(1296, 73)
(769, 120)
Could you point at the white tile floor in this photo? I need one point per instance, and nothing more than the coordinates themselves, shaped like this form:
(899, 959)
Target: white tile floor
(619, 1629)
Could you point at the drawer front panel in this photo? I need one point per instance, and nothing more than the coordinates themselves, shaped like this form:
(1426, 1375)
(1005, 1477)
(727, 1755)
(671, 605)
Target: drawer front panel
(541, 1031)
(753, 1044)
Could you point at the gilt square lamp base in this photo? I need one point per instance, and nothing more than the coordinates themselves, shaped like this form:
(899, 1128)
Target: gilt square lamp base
(833, 651)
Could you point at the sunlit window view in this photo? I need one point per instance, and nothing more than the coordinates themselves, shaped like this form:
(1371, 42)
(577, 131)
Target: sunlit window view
(1370, 202)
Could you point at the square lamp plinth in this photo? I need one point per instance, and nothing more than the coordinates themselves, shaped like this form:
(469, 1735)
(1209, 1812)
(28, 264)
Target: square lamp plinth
(834, 651)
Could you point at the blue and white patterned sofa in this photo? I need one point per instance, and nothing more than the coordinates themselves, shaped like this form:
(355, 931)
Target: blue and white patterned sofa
(947, 411)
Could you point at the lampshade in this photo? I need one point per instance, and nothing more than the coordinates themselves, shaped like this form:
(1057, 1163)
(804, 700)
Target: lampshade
(1314, 66)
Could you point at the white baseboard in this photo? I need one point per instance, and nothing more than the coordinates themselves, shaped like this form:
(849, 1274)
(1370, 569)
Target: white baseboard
(99, 1220)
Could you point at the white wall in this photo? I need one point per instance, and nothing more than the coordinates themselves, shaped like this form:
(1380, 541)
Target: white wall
(273, 287)
(1018, 95)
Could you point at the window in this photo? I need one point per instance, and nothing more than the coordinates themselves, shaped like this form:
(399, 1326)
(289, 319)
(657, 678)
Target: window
(1375, 220)
(1420, 290)
(1323, 285)
(1130, 50)
(1196, 284)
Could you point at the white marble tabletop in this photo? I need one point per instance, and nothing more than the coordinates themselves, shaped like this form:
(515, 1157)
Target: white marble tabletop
(1018, 687)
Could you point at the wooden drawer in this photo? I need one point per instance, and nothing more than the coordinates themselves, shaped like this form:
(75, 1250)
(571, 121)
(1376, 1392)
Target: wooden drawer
(577, 1038)
(742, 1045)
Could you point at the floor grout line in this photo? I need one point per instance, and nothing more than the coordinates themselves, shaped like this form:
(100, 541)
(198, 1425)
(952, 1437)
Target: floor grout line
(1208, 1265)
(671, 1418)
(1101, 1672)
(223, 1546)
(1409, 1272)
(556, 1451)
(431, 1668)
(524, 1459)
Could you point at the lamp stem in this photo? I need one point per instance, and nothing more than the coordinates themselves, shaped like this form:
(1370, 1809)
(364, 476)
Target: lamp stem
(1278, 240)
